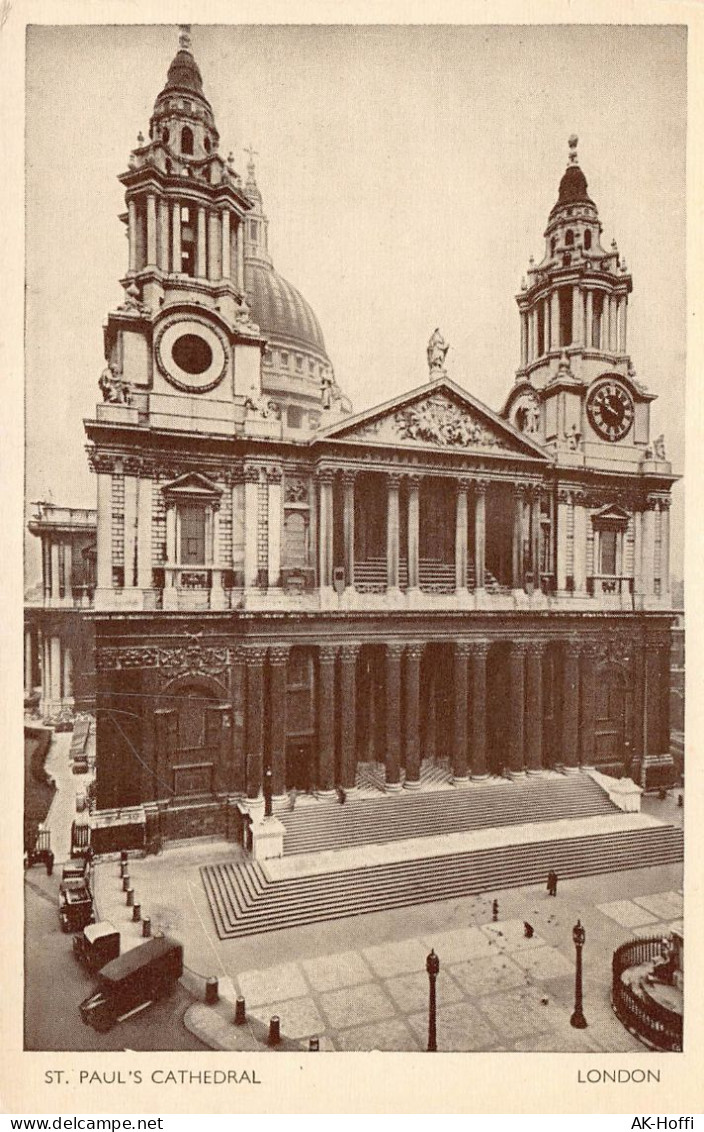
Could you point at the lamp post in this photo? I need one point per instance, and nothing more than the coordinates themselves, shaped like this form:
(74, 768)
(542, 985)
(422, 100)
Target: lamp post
(432, 966)
(578, 1020)
(268, 811)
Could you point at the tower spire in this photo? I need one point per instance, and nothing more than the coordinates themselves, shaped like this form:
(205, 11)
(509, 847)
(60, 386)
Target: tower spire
(184, 38)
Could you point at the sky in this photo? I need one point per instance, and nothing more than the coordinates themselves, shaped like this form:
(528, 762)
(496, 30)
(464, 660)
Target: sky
(407, 172)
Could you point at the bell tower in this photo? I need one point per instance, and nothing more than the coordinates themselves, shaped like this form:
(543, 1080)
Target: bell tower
(576, 387)
(184, 329)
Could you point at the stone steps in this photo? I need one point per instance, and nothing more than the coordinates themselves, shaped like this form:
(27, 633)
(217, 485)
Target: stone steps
(315, 828)
(244, 903)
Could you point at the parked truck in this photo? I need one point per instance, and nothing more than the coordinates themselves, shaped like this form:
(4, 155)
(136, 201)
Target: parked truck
(75, 904)
(97, 945)
(133, 982)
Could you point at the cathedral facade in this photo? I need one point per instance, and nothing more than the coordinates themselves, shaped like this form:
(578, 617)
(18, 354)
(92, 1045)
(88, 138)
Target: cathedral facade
(293, 596)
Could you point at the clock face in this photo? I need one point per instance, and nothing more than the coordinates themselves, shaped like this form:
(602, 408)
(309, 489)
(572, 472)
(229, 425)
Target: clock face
(192, 355)
(610, 410)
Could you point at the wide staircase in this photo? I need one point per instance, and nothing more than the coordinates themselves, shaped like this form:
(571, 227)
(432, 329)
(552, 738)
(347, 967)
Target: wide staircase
(245, 901)
(321, 826)
(434, 576)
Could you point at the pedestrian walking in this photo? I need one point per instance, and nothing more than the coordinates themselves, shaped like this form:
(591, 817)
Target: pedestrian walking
(552, 883)
(495, 911)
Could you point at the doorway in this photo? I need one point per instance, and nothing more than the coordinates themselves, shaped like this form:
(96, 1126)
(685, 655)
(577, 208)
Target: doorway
(299, 766)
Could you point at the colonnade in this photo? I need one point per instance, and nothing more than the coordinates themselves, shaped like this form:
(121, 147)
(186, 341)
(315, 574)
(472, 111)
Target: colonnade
(545, 311)
(218, 238)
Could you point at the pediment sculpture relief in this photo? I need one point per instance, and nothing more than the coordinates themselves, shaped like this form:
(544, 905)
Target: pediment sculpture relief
(433, 420)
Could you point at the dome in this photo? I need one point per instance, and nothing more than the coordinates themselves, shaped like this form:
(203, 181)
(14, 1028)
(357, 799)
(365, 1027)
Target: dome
(281, 311)
(573, 187)
(184, 74)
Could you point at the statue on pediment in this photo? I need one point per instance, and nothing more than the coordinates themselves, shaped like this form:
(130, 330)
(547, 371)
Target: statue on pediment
(659, 447)
(437, 352)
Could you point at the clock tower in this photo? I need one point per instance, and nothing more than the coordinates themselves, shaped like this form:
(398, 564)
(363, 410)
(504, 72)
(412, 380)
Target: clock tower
(576, 389)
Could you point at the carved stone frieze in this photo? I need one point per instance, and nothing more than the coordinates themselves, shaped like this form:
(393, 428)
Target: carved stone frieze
(295, 490)
(192, 659)
(435, 420)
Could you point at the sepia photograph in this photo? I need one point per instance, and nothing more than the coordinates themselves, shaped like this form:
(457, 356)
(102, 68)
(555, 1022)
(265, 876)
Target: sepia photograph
(354, 635)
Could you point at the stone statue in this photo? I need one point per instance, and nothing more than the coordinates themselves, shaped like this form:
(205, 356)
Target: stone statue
(437, 351)
(133, 302)
(573, 437)
(261, 408)
(659, 447)
(115, 391)
(327, 383)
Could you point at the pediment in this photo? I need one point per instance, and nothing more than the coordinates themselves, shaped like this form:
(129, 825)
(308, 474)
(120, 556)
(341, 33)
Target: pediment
(612, 515)
(438, 415)
(192, 485)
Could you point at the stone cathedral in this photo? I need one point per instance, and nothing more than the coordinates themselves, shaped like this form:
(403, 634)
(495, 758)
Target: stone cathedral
(288, 595)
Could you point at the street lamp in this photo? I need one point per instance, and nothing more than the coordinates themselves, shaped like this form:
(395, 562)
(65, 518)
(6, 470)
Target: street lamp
(578, 1020)
(432, 966)
(268, 811)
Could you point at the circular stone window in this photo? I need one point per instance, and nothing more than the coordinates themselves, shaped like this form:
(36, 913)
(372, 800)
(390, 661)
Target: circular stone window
(192, 354)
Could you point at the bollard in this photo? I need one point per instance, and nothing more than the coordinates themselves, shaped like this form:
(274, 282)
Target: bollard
(129, 894)
(313, 1045)
(211, 991)
(274, 1030)
(123, 854)
(146, 927)
(125, 882)
(49, 863)
(240, 1012)
(137, 913)
(124, 867)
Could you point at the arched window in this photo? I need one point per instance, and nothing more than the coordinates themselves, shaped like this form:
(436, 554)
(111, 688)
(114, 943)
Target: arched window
(587, 239)
(186, 140)
(553, 245)
(569, 238)
(165, 135)
(168, 165)
(206, 144)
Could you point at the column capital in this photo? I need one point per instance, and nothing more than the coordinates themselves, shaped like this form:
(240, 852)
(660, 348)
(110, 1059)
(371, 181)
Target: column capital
(251, 473)
(393, 479)
(233, 476)
(348, 477)
(278, 655)
(519, 648)
(325, 475)
(103, 463)
(463, 485)
(480, 487)
(564, 495)
(463, 649)
(414, 479)
(327, 654)
(349, 653)
(590, 649)
(131, 465)
(394, 650)
(415, 650)
(253, 655)
(572, 647)
(536, 648)
(479, 649)
(274, 474)
(520, 490)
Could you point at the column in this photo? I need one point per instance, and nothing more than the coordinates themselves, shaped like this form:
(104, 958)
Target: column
(480, 535)
(478, 656)
(278, 659)
(27, 661)
(570, 705)
(577, 313)
(665, 549)
(413, 656)
(46, 674)
(251, 525)
(459, 738)
(325, 529)
(413, 531)
(590, 320)
(531, 335)
(348, 715)
(132, 233)
(67, 675)
(225, 255)
(534, 707)
(535, 514)
(587, 717)
(648, 547)
(393, 716)
(176, 265)
(348, 479)
(524, 338)
(104, 534)
(612, 324)
(130, 523)
(518, 498)
(144, 534)
(546, 324)
(254, 660)
(55, 573)
(327, 718)
(638, 749)
(517, 707)
(563, 506)
(461, 535)
(654, 698)
(624, 325)
(637, 552)
(163, 242)
(274, 476)
(580, 547)
(238, 523)
(240, 257)
(392, 530)
(55, 671)
(555, 321)
(201, 247)
(151, 230)
(214, 245)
